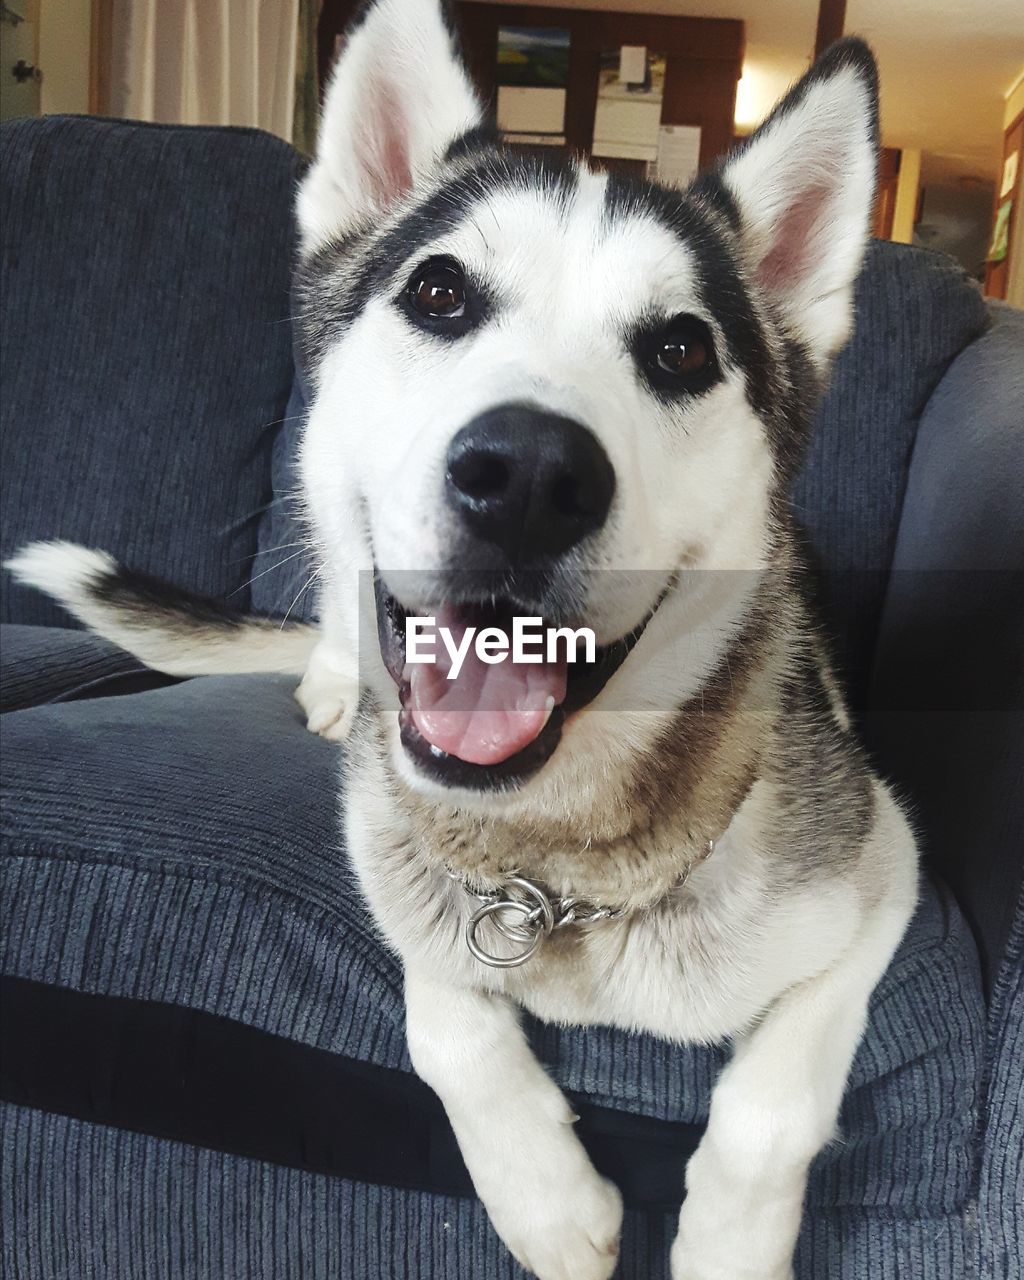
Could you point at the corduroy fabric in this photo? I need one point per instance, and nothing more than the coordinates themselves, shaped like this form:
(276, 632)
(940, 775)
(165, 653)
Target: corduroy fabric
(181, 845)
(946, 717)
(1001, 1197)
(908, 1117)
(915, 311)
(147, 352)
(85, 1202)
(54, 664)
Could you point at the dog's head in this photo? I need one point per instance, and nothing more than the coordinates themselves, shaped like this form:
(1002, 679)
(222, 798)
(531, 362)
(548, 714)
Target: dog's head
(547, 391)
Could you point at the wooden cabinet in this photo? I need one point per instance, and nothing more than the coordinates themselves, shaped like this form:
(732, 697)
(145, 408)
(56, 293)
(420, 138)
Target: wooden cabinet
(704, 61)
(997, 274)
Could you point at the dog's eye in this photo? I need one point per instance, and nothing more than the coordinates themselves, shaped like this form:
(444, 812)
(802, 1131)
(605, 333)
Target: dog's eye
(683, 354)
(437, 290)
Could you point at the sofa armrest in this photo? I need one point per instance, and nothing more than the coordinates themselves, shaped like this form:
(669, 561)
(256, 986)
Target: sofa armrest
(946, 715)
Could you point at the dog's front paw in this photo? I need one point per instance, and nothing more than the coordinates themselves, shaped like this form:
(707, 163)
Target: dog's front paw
(685, 1266)
(734, 1227)
(329, 698)
(691, 1261)
(329, 713)
(561, 1221)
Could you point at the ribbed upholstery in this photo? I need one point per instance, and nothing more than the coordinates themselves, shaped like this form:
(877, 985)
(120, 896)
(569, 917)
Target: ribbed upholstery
(54, 664)
(180, 845)
(1001, 1198)
(91, 1203)
(915, 311)
(147, 348)
(947, 699)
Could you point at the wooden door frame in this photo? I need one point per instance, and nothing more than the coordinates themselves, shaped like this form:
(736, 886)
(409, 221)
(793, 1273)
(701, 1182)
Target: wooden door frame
(101, 55)
(997, 274)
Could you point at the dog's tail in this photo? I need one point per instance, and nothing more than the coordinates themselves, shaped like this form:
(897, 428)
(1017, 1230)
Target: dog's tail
(167, 629)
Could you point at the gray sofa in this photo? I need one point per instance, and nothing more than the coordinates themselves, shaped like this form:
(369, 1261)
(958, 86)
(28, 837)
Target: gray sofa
(203, 1067)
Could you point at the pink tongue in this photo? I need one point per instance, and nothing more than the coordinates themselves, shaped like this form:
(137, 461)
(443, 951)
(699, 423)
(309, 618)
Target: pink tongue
(490, 711)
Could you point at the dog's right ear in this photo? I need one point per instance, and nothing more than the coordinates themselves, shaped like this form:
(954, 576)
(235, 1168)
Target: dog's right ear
(398, 98)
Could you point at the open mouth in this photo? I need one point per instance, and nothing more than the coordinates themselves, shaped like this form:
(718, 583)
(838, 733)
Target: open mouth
(492, 724)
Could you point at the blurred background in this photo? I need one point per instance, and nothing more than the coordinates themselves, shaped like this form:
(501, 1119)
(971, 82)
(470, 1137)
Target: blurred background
(657, 86)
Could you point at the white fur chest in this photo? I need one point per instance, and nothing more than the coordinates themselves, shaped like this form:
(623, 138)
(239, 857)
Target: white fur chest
(702, 964)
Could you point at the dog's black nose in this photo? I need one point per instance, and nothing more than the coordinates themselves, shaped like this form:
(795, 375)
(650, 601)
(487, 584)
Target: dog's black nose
(532, 483)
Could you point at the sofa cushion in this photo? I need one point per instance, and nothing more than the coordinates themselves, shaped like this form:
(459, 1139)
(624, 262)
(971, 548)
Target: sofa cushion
(1000, 1203)
(55, 664)
(106, 1202)
(181, 846)
(145, 275)
(915, 311)
(947, 699)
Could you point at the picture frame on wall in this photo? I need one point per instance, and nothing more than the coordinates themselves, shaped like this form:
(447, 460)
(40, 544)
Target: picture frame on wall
(532, 80)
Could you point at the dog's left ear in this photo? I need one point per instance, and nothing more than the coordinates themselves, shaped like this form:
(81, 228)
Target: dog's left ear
(804, 184)
(398, 98)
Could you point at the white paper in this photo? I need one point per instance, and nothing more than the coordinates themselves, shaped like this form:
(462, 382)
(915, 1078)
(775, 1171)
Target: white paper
(531, 110)
(627, 116)
(627, 129)
(1009, 173)
(633, 64)
(678, 154)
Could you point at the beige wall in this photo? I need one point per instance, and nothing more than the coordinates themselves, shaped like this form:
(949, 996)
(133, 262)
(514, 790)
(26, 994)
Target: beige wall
(64, 31)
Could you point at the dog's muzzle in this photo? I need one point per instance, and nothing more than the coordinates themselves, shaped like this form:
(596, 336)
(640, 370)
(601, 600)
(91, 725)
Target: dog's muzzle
(529, 484)
(440, 722)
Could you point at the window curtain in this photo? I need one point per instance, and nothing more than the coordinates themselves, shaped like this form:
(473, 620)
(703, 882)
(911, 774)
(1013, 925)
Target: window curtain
(212, 62)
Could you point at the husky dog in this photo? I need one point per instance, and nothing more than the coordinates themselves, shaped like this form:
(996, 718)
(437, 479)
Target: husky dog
(542, 390)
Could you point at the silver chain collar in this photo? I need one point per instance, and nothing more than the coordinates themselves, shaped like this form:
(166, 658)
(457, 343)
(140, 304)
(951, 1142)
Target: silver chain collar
(524, 913)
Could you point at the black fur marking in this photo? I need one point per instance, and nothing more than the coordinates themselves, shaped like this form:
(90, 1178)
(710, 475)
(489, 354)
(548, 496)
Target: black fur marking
(494, 171)
(800, 390)
(140, 596)
(643, 336)
(484, 137)
(711, 189)
(334, 296)
(451, 25)
(722, 288)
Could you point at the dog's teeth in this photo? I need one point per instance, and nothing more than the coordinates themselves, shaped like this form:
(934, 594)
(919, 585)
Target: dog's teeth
(549, 706)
